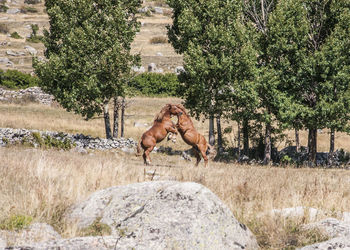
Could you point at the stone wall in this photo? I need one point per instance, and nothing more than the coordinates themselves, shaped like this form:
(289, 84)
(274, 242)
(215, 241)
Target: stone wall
(80, 142)
(34, 94)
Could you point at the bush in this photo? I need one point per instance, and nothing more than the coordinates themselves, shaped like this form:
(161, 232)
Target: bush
(159, 39)
(28, 9)
(4, 29)
(15, 79)
(15, 35)
(3, 8)
(16, 222)
(32, 1)
(155, 84)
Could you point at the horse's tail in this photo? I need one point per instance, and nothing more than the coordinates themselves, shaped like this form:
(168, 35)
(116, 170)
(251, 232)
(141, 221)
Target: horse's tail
(138, 152)
(211, 152)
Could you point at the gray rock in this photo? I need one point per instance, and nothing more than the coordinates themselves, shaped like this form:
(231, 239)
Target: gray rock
(330, 227)
(164, 215)
(3, 243)
(159, 54)
(37, 232)
(13, 11)
(179, 70)
(291, 212)
(4, 60)
(139, 69)
(31, 50)
(152, 67)
(141, 125)
(336, 243)
(158, 10)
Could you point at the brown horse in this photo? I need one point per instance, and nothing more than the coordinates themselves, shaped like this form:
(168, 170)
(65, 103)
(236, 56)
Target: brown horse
(162, 125)
(190, 135)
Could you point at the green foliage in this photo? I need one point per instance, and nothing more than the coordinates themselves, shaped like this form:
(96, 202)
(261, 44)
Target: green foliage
(219, 59)
(158, 40)
(5, 140)
(32, 1)
(3, 8)
(154, 84)
(96, 229)
(15, 79)
(16, 222)
(47, 141)
(88, 52)
(28, 9)
(34, 37)
(15, 35)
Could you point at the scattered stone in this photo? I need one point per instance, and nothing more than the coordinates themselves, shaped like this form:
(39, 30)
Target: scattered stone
(3, 243)
(152, 67)
(13, 11)
(336, 243)
(34, 93)
(141, 125)
(164, 215)
(158, 10)
(179, 70)
(330, 227)
(13, 53)
(4, 60)
(159, 54)
(309, 212)
(31, 50)
(138, 69)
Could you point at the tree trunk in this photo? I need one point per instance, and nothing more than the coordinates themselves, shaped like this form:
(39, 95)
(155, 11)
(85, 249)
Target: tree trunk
(239, 139)
(246, 137)
(331, 147)
(297, 140)
(331, 142)
(312, 145)
(211, 131)
(107, 120)
(116, 118)
(267, 151)
(123, 117)
(218, 127)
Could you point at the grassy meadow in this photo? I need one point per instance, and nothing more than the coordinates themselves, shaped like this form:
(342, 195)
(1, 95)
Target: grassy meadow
(42, 184)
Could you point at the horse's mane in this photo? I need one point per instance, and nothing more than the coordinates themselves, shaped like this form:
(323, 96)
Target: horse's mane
(160, 115)
(180, 106)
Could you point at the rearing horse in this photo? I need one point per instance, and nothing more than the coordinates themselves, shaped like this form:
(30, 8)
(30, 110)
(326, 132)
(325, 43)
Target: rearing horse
(162, 125)
(190, 135)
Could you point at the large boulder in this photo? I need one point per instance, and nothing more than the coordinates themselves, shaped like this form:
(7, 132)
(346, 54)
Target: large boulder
(164, 215)
(330, 227)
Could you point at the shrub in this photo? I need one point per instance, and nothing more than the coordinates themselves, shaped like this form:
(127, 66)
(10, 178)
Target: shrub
(15, 35)
(3, 8)
(159, 39)
(155, 84)
(16, 222)
(34, 38)
(15, 79)
(32, 1)
(28, 9)
(4, 29)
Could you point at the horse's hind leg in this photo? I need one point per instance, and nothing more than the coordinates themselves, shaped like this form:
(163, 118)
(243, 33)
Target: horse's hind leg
(197, 155)
(146, 158)
(204, 155)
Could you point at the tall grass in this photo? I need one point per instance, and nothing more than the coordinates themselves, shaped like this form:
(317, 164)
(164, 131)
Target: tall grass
(41, 184)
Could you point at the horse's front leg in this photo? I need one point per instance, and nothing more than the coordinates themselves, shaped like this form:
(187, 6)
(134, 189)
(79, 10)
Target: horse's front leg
(172, 133)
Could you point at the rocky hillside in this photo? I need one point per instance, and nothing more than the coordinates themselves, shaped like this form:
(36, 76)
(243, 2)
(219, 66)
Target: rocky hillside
(19, 16)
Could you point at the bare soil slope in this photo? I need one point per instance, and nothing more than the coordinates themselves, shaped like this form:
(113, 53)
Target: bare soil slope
(13, 50)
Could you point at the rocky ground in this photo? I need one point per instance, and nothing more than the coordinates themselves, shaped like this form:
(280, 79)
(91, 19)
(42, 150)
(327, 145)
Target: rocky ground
(17, 53)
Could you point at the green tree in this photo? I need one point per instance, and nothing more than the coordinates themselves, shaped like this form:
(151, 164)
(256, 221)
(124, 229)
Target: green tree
(309, 49)
(218, 59)
(88, 57)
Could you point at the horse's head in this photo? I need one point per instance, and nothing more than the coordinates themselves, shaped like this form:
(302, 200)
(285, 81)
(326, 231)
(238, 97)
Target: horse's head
(175, 110)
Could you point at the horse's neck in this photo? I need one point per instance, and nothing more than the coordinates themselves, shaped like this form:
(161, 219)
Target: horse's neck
(185, 122)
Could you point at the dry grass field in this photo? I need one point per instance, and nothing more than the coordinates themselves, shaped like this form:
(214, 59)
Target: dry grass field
(42, 184)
